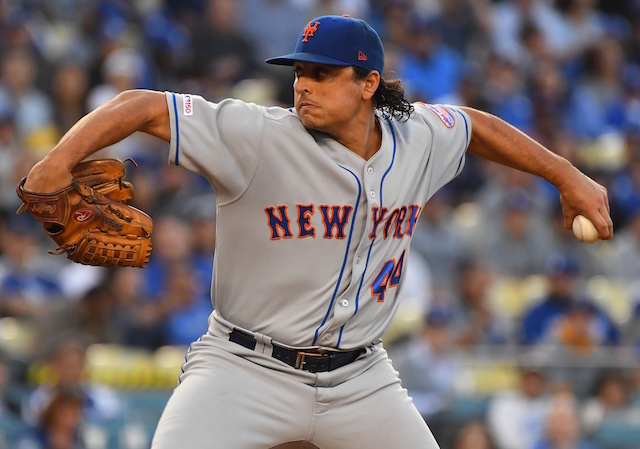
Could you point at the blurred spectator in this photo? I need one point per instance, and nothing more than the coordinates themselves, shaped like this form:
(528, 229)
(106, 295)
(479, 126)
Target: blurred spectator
(428, 365)
(273, 25)
(439, 238)
(516, 417)
(596, 106)
(622, 261)
(582, 329)
(476, 322)
(568, 329)
(203, 225)
(549, 91)
(464, 24)
(187, 307)
(505, 93)
(139, 319)
(560, 315)
(34, 118)
(70, 87)
(91, 316)
(562, 426)
(222, 53)
(430, 70)
(502, 187)
(66, 360)
(389, 19)
(416, 294)
(9, 403)
(14, 161)
(515, 245)
(172, 244)
(474, 435)
(59, 423)
(28, 282)
(610, 400)
(122, 69)
(508, 19)
(581, 27)
(355, 8)
(624, 187)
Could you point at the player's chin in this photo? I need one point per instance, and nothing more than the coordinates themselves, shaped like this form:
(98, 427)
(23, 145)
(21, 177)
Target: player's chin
(311, 122)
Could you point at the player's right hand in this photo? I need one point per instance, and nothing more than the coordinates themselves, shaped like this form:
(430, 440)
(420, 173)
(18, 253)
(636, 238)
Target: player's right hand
(581, 195)
(47, 177)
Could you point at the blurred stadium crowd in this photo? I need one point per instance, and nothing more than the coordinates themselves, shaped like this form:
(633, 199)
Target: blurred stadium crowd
(512, 334)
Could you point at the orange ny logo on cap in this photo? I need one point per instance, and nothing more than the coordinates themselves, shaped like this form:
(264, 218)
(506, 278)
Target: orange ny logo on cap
(309, 31)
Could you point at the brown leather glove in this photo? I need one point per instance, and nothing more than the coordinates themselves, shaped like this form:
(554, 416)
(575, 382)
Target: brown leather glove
(90, 220)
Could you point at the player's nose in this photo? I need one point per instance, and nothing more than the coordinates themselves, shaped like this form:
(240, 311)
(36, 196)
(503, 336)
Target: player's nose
(301, 85)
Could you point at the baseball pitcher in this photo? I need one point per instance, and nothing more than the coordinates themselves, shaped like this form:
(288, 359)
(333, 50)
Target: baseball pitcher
(317, 205)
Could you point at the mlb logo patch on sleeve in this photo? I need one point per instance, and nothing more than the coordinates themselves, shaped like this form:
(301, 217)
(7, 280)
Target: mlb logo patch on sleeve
(187, 106)
(447, 117)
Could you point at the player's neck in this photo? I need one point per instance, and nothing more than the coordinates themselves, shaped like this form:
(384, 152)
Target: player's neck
(364, 138)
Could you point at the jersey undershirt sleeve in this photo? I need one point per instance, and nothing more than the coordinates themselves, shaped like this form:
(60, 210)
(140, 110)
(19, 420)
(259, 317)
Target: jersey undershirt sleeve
(221, 141)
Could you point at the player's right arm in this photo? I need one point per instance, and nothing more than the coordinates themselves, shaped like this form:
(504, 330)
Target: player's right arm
(496, 140)
(130, 111)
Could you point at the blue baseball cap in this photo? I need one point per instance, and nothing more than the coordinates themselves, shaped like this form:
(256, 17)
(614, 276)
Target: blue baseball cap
(337, 40)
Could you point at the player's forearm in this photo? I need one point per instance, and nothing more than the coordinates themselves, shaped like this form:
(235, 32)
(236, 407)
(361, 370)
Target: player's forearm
(127, 113)
(497, 141)
(130, 111)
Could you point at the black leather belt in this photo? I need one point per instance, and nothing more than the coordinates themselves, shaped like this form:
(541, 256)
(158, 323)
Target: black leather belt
(313, 361)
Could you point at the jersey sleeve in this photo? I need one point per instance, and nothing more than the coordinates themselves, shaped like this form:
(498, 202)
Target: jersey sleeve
(451, 133)
(220, 141)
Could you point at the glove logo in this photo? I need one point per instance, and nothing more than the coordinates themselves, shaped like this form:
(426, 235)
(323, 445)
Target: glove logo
(82, 215)
(40, 208)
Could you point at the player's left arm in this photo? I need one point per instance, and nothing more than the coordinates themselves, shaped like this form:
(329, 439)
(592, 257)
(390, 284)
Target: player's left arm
(496, 140)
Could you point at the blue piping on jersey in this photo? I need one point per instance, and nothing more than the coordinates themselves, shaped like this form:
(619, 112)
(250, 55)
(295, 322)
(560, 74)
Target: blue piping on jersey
(468, 139)
(366, 265)
(175, 113)
(346, 254)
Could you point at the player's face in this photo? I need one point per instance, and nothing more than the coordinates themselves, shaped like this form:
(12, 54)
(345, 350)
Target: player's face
(326, 97)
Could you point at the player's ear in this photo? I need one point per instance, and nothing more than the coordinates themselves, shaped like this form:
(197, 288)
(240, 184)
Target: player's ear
(371, 83)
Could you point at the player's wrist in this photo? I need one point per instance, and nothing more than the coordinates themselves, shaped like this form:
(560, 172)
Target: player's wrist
(46, 176)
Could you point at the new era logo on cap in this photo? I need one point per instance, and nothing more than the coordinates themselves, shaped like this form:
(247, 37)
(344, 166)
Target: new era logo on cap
(337, 40)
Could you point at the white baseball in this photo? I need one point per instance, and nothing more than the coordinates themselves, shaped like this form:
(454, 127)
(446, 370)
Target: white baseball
(584, 230)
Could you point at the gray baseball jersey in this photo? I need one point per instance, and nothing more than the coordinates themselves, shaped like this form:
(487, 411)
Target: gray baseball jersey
(311, 247)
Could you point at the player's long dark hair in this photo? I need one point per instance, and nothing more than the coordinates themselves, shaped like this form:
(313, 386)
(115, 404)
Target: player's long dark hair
(389, 97)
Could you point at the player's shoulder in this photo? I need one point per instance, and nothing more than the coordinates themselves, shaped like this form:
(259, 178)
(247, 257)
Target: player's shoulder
(447, 115)
(270, 112)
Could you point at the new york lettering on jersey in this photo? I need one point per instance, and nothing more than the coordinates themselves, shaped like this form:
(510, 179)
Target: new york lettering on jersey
(397, 223)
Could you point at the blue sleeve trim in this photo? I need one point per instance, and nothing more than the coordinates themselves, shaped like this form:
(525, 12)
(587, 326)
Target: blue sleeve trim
(468, 139)
(466, 126)
(175, 114)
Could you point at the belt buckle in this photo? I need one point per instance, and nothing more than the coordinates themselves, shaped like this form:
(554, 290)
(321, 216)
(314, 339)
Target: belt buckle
(301, 356)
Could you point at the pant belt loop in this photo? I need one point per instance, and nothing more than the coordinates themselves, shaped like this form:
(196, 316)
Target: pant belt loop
(263, 343)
